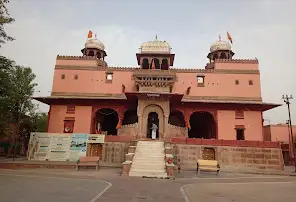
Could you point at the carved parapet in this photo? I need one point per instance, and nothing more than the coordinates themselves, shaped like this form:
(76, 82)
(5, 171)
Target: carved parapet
(68, 57)
(247, 61)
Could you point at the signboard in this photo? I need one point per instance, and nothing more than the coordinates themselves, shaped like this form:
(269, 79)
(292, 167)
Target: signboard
(38, 146)
(59, 147)
(96, 139)
(78, 146)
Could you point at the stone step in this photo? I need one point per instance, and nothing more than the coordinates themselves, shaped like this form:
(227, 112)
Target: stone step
(147, 167)
(148, 154)
(150, 148)
(150, 174)
(148, 170)
(151, 158)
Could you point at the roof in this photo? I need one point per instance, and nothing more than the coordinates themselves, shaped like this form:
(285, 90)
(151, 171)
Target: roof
(54, 99)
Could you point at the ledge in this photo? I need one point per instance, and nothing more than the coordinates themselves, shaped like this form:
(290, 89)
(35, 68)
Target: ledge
(170, 165)
(127, 162)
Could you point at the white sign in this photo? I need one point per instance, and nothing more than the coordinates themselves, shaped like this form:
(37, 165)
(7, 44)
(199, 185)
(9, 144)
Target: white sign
(38, 146)
(59, 148)
(96, 139)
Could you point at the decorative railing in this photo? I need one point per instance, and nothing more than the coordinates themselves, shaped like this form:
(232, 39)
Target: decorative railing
(157, 78)
(232, 143)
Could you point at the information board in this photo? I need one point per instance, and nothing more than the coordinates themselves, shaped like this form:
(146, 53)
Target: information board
(78, 146)
(59, 147)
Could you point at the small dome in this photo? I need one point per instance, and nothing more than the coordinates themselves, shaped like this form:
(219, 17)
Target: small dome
(220, 45)
(94, 43)
(155, 46)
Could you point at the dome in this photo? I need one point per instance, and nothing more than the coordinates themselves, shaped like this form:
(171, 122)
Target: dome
(94, 43)
(155, 46)
(220, 45)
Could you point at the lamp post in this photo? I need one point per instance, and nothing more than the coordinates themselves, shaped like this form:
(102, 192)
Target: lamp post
(287, 99)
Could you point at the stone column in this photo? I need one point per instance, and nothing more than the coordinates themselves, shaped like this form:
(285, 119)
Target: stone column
(140, 121)
(165, 130)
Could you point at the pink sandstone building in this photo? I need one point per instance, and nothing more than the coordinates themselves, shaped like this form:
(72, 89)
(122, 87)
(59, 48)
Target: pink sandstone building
(216, 109)
(281, 133)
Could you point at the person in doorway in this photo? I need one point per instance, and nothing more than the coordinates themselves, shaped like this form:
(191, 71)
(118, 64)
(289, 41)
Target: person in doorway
(154, 130)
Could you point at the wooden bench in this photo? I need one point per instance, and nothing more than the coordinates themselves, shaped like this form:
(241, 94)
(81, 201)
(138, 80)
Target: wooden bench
(208, 165)
(88, 161)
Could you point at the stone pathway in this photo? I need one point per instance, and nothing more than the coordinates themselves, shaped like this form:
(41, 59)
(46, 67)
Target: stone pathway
(86, 183)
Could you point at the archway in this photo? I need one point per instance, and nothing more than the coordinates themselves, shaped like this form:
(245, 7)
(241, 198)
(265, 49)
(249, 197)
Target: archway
(130, 117)
(223, 56)
(156, 63)
(202, 125)
(164, 64)
(106, 121)
(91, 53)
(147, 114)
(176, 118)
(152, 118)
(145, 63)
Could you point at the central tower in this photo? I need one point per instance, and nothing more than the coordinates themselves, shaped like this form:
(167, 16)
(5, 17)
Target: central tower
(155, 55)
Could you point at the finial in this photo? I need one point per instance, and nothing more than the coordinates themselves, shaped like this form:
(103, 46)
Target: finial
(219, 37)
(156, 37)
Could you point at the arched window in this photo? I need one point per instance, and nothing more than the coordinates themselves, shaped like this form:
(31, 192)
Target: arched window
(165, 64)
(215, 56)
(223, 56)
(156, 62)
(91, 53)
(99, 55)
(145, 63)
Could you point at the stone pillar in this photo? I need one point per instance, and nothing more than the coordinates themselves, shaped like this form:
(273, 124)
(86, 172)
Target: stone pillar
(170, 169)
(165, 129)
(126, 166)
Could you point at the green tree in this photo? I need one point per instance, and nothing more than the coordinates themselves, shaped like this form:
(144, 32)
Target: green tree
(20, 106)
(4, 19)
(6, 66)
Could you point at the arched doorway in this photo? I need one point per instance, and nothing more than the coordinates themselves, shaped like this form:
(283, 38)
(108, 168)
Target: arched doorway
(150, 112)
(106, 121)
(152, 119)
(202, 125)
(176, 118)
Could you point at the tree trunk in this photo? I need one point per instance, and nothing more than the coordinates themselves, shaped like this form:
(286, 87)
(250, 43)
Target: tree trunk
(14, 131)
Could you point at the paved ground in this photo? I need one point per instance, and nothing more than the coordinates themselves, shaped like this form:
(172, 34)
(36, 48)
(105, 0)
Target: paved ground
(107, 185)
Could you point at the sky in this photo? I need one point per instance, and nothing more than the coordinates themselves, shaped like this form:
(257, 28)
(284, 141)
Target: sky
(265, 29)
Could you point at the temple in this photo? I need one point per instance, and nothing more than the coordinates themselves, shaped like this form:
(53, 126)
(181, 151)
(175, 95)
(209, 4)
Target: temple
(221, 101)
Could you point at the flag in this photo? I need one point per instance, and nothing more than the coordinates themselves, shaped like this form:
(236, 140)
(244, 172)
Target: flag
(89, 34)
(153, 64)
(229, 37)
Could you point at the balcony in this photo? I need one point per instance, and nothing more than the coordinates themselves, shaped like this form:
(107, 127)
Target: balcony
(154, 80)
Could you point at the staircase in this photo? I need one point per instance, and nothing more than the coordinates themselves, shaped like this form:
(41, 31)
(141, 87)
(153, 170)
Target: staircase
(149, 160)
